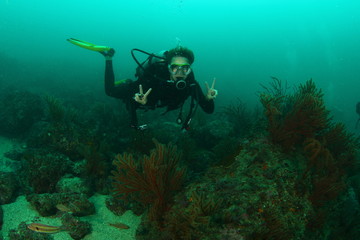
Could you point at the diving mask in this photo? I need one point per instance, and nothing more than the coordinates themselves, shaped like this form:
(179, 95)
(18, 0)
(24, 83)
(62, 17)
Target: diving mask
(179, 68)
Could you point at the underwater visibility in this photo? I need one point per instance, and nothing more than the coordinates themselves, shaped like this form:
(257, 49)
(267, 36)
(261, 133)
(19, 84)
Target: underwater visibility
(171, 120)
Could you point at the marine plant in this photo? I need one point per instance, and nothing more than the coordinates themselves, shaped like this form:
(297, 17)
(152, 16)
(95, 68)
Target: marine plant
(55, 109)
(294, 118)
(239, 116)
(151, 180)
(97, 166)
(41, 169)
(300, 123)
(190, 222)
(20, 110)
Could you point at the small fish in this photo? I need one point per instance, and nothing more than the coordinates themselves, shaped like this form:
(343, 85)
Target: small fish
(119, 225)
(42, 228)
(63, 208)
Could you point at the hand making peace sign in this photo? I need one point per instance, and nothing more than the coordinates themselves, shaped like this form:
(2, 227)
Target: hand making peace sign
(141, 97)
(211, 92)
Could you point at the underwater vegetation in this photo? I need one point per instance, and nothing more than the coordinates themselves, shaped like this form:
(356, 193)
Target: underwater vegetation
(153, 180)
(283, 171)
(285, 182)
(19, 111)
(300, 123)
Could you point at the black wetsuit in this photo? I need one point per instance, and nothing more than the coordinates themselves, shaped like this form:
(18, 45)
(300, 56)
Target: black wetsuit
(163, 94)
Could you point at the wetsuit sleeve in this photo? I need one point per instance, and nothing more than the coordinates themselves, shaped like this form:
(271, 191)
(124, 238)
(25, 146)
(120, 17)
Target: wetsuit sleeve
(124, 91)
(207, 105)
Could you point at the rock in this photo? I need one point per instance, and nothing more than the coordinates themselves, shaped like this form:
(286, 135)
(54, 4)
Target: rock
(1, 218)
(19, 111)
(8, 187)
(73, 185)
(76, 228)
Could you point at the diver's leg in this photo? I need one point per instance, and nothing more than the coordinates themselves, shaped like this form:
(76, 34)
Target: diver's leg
(131, 107)
(123, 89)
(109, 79)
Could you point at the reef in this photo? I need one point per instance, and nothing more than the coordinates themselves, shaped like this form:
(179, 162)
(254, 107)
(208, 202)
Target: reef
(284, 170)
(284, 182)
(151, 181)
(22, 233)
(1, 217)
(9, 186)
(20, 110)
(50, 204)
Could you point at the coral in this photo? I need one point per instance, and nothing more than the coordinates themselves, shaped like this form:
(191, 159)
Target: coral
(73, 185)
(152, 181)
(293, 118)
(42, 169)
(49, 204)
(23, 233)
(320, 158)
(116, 206)
(253, 198)
(209, 134)
(1, 217)
(56, 110)
(239, 116)
(327, 162)
(342, 145)
(19, 111)
(189, 223)
(326, 188)
(97, 167)
(8, 187)
(299, 120)
(63, 131)
(226, 150)
(58, 114)
(77, 229)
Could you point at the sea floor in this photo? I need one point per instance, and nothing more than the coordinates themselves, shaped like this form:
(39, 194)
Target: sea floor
(21, 211)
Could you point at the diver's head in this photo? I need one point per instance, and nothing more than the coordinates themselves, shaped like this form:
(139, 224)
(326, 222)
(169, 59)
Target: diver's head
(179, 60)
(179, 68)
(179, 63)
(181, 52)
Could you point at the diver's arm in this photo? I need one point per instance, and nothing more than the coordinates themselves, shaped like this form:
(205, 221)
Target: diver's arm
(207, 105)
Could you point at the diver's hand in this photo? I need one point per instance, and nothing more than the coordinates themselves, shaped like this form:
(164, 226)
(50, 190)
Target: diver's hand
(108, 54)
(141, 97)
(211, 92)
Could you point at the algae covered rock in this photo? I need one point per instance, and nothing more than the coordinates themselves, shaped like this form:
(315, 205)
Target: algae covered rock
(43, 168)
(23, 233)
(8, 187)
(73, 185)
(19, 111)
(1, 218)
(49, 204)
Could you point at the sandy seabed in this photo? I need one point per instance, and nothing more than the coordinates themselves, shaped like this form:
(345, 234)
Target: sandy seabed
(21, 211)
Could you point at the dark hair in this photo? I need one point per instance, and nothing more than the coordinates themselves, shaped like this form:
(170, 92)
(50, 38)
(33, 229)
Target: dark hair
(181, 52)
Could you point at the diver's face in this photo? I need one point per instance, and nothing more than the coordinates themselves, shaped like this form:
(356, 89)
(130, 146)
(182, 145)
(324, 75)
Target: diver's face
(179, 68)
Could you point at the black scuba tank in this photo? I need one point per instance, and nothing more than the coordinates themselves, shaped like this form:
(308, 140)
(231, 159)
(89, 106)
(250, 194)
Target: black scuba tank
(152, 67)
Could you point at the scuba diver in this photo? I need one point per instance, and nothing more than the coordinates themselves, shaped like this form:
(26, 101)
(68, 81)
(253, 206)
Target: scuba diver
(163, 80)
